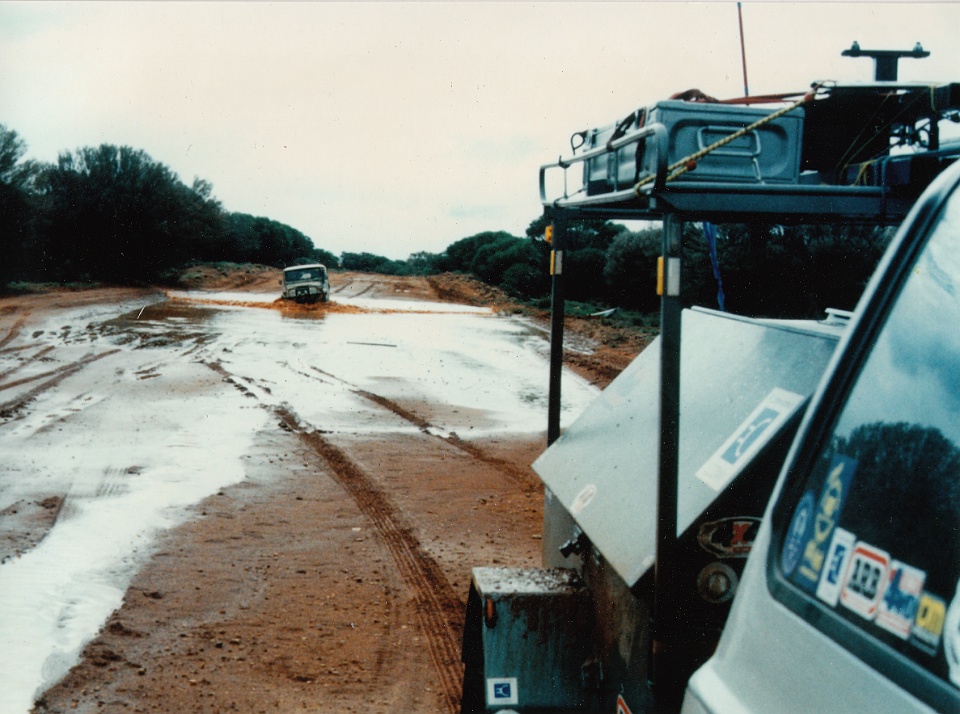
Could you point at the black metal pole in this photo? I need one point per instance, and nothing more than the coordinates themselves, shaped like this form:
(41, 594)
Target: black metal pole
(665, 619)
(556, 329)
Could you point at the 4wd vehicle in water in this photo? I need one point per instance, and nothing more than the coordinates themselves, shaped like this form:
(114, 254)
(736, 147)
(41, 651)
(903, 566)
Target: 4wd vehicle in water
(306, 283)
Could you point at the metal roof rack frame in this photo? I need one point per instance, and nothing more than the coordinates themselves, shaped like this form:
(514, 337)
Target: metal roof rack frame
(721, 202)
(655, 198)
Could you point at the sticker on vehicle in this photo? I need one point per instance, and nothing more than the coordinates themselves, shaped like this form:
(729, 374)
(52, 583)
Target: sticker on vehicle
(502, 690)
(864, 580)
(729, 537)
(754, 432)
(829, 507)
(901, 598)
(928, 626)
(838, 558)
(582, 499)
(797, 534)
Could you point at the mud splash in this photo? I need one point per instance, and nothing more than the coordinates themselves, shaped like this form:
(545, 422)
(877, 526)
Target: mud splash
(282, 306)
(309, 311)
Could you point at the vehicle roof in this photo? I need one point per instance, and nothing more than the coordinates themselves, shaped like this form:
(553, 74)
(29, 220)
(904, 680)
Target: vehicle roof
(307, 265)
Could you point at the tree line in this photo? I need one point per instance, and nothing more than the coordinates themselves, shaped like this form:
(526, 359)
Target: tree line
(114, 214)
(794, 271)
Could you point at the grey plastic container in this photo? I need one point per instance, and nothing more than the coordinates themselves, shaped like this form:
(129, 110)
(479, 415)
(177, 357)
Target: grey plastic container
(767, 154)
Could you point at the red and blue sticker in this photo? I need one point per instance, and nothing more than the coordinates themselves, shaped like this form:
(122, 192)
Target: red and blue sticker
(901, 599)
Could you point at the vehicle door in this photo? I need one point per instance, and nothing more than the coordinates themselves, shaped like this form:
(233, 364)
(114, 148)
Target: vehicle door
(851, 600)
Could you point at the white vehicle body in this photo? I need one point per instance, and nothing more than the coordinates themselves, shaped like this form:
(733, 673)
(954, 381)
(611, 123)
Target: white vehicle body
(768, 519)
(807, 633)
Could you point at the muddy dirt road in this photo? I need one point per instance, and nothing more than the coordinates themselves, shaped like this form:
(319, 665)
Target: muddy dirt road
(210, 504)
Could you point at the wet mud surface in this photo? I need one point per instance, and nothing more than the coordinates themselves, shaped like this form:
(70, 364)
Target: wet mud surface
(332, 576)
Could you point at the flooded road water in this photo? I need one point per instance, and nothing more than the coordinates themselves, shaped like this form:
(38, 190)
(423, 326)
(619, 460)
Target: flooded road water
(116, 419)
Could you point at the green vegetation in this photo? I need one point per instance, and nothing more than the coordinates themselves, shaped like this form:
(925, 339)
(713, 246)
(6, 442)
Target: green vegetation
(113, 214)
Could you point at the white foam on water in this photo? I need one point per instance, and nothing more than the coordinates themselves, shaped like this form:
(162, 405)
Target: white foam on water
(131, 465)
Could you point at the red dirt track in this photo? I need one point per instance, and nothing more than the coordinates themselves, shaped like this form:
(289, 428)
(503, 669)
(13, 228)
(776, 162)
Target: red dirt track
(334, 577)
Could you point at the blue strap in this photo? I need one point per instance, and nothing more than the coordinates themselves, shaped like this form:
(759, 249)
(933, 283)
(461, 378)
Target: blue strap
(710, 233)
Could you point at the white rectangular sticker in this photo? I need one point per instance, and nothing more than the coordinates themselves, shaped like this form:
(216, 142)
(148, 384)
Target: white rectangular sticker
(835, 566)
(502, 690)
(865, 580)
(673, 277)
(755, 432)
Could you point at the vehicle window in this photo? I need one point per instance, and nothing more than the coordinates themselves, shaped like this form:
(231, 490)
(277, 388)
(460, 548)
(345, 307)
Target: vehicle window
(873, 534)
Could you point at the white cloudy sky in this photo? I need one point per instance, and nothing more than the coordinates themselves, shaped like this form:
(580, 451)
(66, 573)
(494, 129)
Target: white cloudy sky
(393, 127)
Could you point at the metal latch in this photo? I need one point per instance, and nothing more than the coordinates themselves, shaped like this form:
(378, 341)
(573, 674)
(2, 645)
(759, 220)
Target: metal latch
(575, 545)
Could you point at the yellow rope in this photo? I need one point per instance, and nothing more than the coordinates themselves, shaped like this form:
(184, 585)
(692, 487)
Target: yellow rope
(864, 167)
(690, 162)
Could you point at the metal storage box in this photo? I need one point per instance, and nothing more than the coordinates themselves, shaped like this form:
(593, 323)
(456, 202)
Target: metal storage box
(767, 154)
(602, 470)
(525, 641)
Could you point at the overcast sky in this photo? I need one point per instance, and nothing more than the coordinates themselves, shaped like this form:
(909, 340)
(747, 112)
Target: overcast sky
(391, 127)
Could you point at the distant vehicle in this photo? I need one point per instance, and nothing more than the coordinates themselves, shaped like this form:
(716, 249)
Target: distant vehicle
(306, 283)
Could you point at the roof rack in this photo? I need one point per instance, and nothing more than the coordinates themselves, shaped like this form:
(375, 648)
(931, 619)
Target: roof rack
(828, 158)
(636, 159)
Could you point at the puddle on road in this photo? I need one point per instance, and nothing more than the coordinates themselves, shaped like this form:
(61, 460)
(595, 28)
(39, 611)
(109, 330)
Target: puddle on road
(170, 310)
(341, 305)
(160, 324)
(269, 301)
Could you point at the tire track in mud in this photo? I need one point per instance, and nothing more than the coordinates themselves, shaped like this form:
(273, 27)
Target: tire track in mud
(364, 291)
(33, 358)
(436, 602)
(114, 481)
(14, 330)
(510, 470)
(516, 474)
(9, 408)
(340, 288)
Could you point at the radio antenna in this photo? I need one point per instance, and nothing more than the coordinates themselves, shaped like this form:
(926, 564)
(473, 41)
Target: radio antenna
(743, 52)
